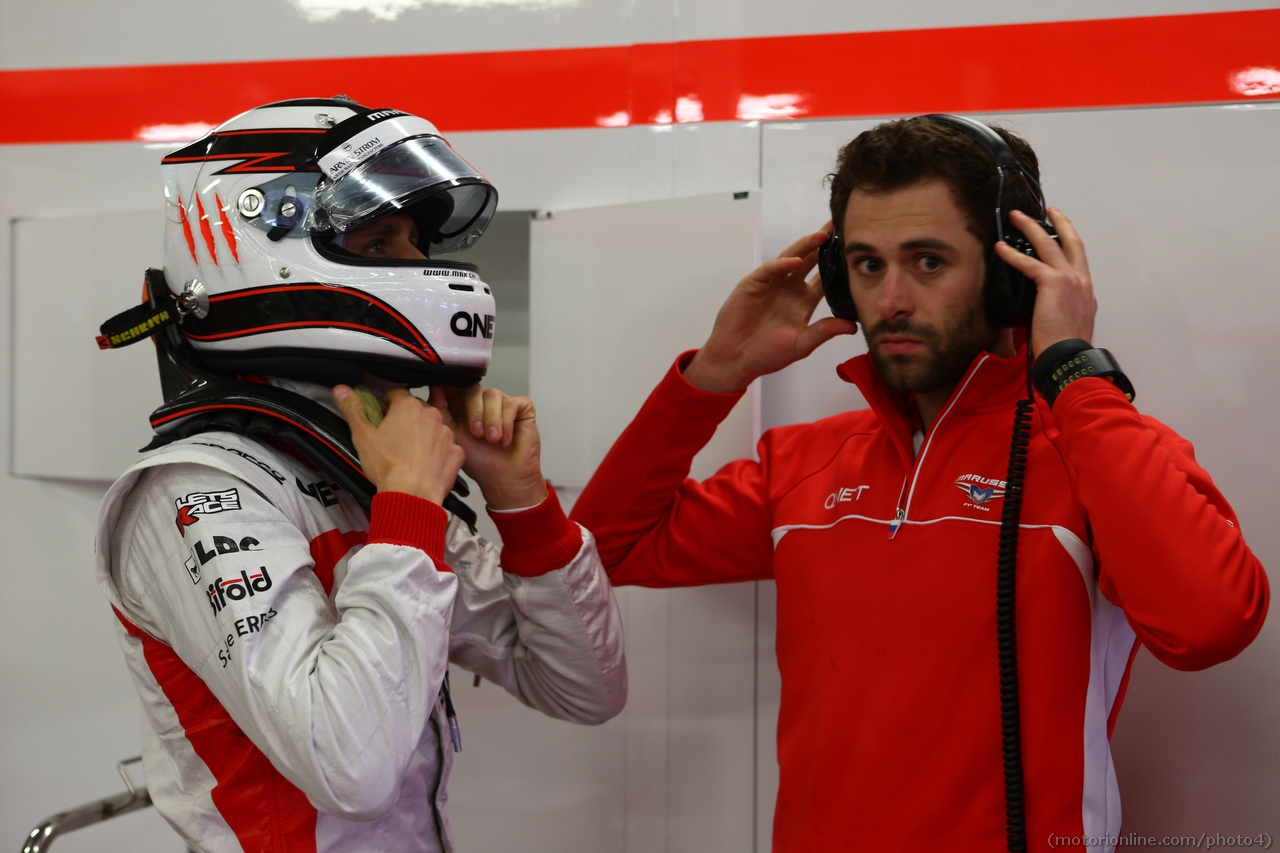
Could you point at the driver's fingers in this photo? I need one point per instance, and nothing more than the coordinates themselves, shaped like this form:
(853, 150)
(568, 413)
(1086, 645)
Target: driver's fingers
(805, 245)
(473, 405)
(437, 399)
(493, 425)
(770, 274)
(1047, 249)
(513, 409)
(1072, 245)
(1032, 268)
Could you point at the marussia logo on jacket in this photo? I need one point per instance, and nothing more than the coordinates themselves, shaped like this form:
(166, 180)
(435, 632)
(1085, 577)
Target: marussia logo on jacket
(245, 586)
(980, 489)
(204, 503)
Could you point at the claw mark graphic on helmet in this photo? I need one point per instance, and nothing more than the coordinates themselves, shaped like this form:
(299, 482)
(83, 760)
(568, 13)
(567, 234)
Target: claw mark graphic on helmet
(227, 231)
(186, 230)
(206, 231)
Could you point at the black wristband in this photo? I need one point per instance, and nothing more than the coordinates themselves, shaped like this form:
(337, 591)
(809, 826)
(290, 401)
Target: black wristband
(1066, 361)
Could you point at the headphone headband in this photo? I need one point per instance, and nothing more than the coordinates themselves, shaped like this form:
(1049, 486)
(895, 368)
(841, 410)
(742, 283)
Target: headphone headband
(992, 143)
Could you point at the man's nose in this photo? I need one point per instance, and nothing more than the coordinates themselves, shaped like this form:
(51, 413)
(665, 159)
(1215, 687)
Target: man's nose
(897, 297)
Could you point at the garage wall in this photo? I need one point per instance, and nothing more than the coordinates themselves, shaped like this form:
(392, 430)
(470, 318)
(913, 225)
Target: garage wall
(1177, 204)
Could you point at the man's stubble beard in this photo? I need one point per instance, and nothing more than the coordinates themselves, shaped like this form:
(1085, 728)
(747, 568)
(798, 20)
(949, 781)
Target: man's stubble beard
(950, 351)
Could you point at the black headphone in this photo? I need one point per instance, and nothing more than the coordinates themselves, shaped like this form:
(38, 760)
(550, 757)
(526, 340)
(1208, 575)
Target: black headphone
(1009, 296)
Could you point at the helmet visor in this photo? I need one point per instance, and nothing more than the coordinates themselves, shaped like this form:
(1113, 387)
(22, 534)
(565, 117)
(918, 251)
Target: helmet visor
(422, 177)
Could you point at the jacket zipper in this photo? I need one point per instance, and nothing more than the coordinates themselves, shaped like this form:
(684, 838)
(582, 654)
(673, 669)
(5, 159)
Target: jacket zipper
(435, 792)
(901, 515)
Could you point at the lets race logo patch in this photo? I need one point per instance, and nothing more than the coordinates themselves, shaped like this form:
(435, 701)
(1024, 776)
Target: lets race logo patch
(204, 503)
(980, 490)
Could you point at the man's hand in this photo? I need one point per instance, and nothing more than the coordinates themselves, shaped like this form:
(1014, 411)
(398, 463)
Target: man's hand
(764, 324)
(1065, 305)
(411, 451)
(500, 436)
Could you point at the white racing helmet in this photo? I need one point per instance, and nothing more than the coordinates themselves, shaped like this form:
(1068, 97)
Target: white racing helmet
(258, 211)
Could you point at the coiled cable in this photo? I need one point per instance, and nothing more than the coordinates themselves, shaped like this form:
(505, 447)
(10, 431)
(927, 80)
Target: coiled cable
(1006, 623)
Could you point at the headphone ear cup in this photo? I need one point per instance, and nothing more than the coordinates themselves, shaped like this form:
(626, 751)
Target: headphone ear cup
(1009, 296)
(835, 278)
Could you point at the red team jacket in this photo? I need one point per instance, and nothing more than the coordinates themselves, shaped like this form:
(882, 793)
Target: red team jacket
(885, 563)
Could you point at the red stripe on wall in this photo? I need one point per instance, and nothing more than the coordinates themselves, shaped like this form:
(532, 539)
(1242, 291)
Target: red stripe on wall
(1171, 59)
(267, 813)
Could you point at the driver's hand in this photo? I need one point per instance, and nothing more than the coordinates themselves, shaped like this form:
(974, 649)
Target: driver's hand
(500, 436)
(764, 324)
(412, 451)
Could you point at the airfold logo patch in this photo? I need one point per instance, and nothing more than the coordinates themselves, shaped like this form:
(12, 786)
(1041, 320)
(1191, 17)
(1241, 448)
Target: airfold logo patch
(980, 490)
(204, 503)
(238, 588)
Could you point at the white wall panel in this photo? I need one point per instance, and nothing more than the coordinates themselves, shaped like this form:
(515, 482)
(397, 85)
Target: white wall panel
(73, 33)
(68, 711)
(570, 169)
(69, 275)
(1178, 210)
(615, 294)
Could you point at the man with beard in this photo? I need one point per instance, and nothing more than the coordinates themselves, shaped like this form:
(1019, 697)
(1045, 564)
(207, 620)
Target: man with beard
(880, 526)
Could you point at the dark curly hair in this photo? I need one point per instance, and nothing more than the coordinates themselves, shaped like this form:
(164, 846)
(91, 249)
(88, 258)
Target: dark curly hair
(899, 154)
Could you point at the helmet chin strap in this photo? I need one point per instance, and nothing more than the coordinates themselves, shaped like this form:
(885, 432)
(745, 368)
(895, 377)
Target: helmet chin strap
(372, 405)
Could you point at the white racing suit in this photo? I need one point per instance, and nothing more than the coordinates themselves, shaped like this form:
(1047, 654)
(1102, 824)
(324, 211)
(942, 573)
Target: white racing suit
(289, 649)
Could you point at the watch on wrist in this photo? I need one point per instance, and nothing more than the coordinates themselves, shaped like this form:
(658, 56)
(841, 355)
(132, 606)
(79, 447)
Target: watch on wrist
(1066, 361)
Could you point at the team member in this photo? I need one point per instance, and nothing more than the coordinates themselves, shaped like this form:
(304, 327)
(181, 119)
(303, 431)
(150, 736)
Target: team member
(288, 586)
(880, 526)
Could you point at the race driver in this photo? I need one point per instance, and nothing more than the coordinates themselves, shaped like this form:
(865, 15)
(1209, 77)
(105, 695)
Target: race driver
(880, 526)
(290, 647)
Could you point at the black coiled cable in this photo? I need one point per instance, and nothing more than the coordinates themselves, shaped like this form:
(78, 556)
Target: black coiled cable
(1006, 624)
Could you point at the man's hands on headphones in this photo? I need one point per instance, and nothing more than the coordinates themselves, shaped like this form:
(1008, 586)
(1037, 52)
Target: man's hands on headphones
(1065, 304)
(500, 436)
(411, 451)
(764, 324)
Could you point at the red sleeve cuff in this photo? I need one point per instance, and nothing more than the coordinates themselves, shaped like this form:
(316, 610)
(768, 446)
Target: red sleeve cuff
(396, 518)
(538, 540)
(1087, 389)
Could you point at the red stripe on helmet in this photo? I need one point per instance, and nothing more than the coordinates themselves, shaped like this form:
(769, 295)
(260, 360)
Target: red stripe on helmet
(186, 229)
(227, 231)
(206, 231)
(426, 352)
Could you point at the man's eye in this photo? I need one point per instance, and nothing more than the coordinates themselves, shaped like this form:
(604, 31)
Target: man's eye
(375, 247)
(868, 266)
(930, 263)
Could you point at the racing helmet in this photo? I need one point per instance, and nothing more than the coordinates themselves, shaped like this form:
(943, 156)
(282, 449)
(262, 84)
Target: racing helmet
(257, 214)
